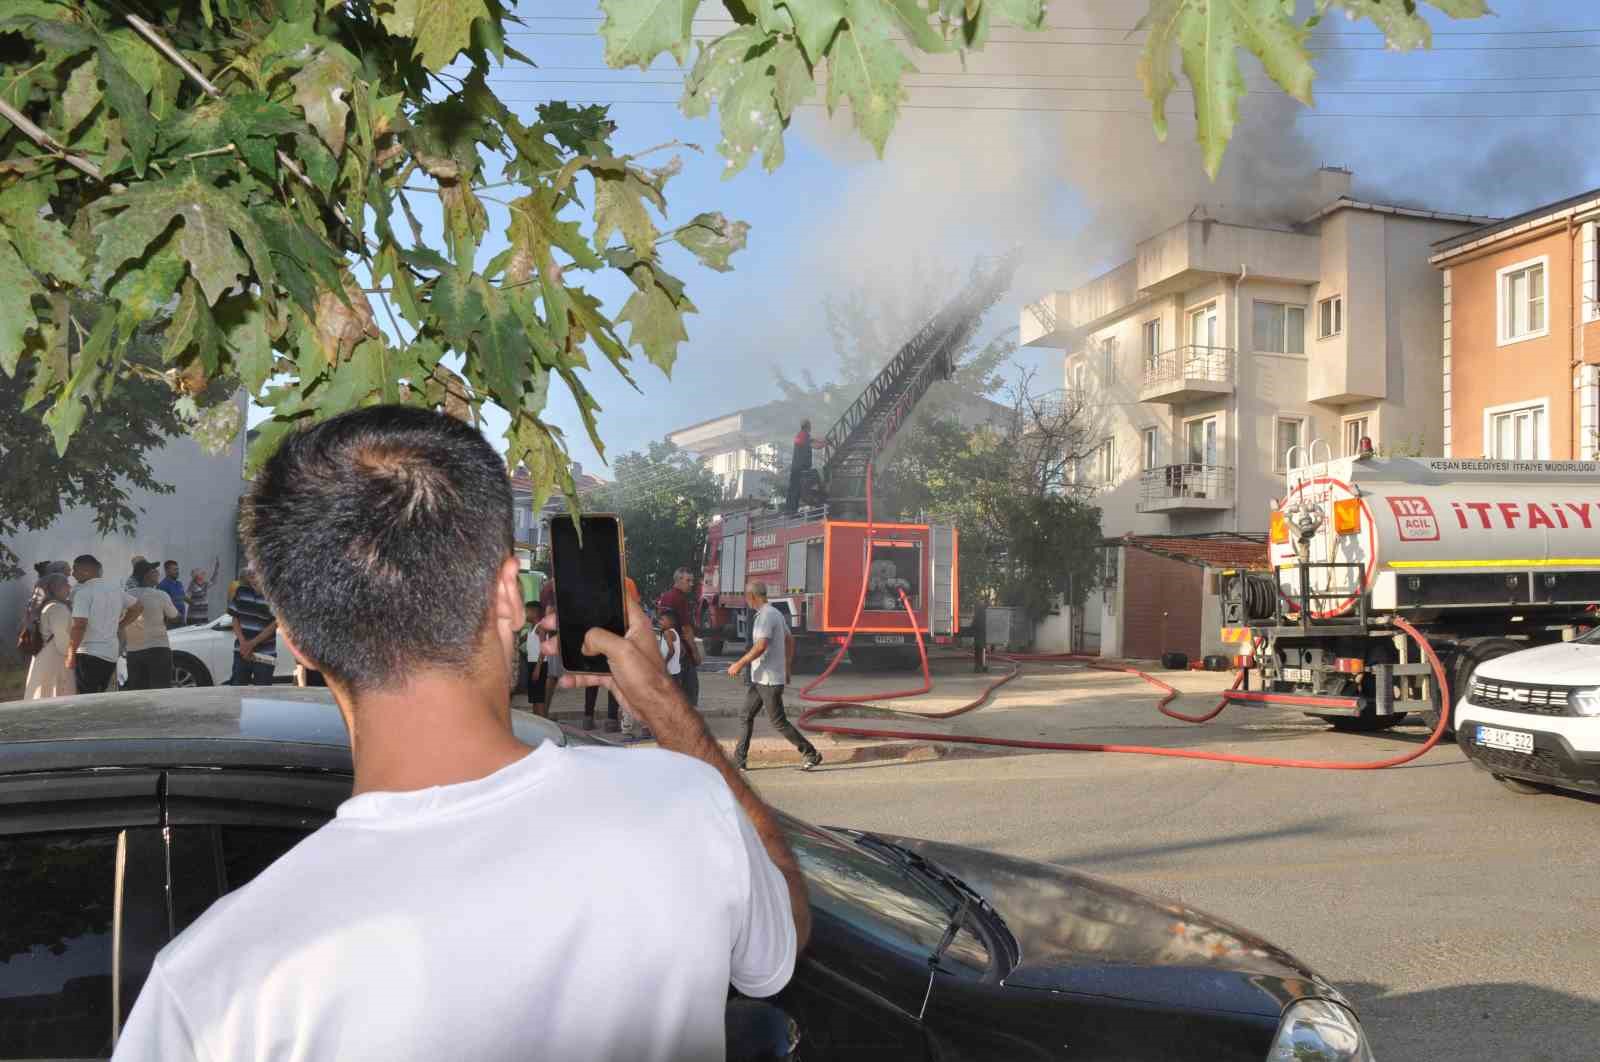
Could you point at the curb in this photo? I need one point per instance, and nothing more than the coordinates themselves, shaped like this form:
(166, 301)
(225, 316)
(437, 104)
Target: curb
(882, 752)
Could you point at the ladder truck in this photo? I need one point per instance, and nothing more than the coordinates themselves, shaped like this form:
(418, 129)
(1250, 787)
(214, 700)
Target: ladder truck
(1483, 557)
(814, 561)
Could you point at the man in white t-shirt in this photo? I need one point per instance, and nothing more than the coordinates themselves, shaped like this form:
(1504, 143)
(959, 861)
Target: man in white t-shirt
(474, 899)
(770, 660)
(100, 609)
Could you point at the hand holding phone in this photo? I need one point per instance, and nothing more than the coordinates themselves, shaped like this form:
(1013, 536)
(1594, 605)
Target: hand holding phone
(589, 580)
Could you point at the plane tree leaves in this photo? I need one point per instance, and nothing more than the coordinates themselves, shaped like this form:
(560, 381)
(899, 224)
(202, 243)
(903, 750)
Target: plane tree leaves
(1208, 34)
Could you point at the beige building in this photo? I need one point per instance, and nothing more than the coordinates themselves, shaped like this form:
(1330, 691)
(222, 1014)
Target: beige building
(1521, 367)
(1218, 348)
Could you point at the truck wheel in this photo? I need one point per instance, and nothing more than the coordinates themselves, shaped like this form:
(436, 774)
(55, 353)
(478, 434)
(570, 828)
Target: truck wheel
(1518, 786)
(1468, 656)
(1368, 722)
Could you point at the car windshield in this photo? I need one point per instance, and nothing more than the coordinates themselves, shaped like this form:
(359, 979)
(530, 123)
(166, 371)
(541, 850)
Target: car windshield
(885, 901)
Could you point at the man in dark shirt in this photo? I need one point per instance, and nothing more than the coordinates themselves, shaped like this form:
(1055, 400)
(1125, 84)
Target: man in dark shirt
(255, 633)
(677, 599)
(799, 467)
(173, 587)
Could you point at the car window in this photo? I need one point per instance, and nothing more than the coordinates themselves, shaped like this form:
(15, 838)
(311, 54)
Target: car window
(871, 895)
(59, 892)
(1589, 637)
(208, 862)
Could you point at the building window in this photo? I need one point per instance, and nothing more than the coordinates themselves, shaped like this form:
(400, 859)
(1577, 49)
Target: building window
(1522, 301)
(1355, 429)
(1078, 376)
(1106, 462)
(1152, 343)
(1280, 328)
(1203, 326)
(1151, 444)
(1289, 435)
(1108, 360)
(1201, 437)
(1517, 433)
(1330, 316)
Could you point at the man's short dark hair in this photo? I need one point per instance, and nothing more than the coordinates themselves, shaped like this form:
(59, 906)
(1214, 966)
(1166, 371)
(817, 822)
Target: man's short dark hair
(86, 558)
(378, 536)
(171, 562)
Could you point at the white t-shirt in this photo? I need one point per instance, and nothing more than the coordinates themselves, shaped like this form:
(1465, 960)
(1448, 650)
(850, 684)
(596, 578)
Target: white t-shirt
(671, 651)
(581, 903)
(102, 602)
(149, 631)
(770, 668)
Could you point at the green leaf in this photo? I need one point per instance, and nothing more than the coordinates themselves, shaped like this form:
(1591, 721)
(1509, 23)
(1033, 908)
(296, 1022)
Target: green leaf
(252, 123)
(816, 23)
(193, 327)
(619, 203)
(322, 91)
(243, 321)
(66, 415)
(303, 259)
(457, 307)
(1155, 60)
(399, 17)
(655, 320)
(1024, 14)
(210, 221)
(739, 73)
(18, 286)
(636, 31)
(355, 380)
(505, 357)
(128, 100)
(1403, 26)
(144, 292)
(713, 239)
(81, 98)
(865, 66)
(444, 28)
(46, 247)
(534, 446)
(317, 162)
(793, 81)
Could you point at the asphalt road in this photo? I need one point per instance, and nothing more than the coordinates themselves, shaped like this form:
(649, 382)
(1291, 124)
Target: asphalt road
(1463, 920)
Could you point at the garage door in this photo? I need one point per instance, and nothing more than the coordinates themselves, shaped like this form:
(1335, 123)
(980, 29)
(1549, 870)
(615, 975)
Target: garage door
(1162, 600)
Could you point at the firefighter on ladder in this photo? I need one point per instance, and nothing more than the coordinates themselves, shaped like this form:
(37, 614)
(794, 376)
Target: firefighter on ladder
(800, 467)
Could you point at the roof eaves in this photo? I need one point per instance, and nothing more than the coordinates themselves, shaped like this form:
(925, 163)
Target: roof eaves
(1345, 202)
(1537, 218)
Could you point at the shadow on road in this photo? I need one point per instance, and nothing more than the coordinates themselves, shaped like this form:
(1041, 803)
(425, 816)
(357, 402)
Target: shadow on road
(1491, 1022)
(1105, 859)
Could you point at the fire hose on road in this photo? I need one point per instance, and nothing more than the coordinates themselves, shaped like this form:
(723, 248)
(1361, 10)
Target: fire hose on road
(811, 719)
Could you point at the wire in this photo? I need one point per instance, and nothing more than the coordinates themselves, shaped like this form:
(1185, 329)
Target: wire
(622, 82)
(1305, 113)
(1135, 44)
(669, 67)
(716, 20)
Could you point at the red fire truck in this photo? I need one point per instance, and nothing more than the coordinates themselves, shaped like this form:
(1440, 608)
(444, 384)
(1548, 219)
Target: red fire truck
(815, 560)
(814, 565)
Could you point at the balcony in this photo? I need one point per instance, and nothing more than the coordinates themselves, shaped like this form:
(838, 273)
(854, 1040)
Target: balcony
(1184, 374)
(1185, 488)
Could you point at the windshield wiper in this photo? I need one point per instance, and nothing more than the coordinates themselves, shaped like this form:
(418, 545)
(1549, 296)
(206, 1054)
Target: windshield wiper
(958, 919)
(964, 894)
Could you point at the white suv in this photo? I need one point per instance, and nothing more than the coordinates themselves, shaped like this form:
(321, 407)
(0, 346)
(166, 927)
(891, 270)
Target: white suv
(1532, 718)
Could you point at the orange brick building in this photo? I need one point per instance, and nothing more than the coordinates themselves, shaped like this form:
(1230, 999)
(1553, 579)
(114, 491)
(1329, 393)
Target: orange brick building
(1522, 335)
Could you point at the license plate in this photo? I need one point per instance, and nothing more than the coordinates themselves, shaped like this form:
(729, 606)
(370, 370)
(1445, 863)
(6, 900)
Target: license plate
(889, 639)
(1296, 674)
(1511, 740)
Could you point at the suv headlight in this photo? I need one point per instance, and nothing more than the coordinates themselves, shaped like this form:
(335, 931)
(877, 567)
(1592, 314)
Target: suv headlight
(1315, 1030)
(1585, 702)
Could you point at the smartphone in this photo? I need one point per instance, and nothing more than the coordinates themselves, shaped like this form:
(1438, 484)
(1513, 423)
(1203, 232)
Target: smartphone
(588, 574)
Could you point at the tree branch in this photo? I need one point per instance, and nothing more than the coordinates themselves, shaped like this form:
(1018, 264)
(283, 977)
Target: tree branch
(48, 142)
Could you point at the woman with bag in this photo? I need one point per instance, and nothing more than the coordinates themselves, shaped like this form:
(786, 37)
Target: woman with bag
(48, 673)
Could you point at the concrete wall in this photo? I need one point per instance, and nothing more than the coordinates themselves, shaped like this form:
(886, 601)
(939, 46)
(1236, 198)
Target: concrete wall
(194, 524)
(1215, 247)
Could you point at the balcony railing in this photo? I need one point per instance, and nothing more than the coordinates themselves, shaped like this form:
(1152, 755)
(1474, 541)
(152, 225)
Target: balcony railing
(1169, 488)
(1185, 373)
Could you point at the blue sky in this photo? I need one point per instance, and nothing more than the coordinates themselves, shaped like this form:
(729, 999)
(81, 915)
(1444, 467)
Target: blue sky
(1046, 145)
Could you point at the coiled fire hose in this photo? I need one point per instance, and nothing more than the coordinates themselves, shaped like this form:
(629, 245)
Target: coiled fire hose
(827, 706)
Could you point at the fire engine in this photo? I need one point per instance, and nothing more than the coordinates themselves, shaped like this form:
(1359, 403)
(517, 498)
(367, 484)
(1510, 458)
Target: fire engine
(1484, 557)
(816, 559)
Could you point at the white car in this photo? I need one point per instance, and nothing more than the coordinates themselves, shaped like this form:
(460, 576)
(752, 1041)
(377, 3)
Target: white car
(202, 655)
(1532, 719)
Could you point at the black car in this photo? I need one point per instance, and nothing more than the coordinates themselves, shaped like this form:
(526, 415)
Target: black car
(124, 815)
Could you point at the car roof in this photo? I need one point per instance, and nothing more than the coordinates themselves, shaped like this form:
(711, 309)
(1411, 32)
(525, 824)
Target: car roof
(277, 726)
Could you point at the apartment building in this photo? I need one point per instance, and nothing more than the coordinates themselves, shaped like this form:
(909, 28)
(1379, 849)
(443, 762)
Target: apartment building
(1219, 348)
(1521, 335)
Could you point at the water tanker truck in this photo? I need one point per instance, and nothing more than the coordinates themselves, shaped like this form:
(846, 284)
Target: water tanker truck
(1484, 557)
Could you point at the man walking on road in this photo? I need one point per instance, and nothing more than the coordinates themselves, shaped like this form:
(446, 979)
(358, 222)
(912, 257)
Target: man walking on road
(100, 609)
(770, 659)
(677, 599)
(475, 898)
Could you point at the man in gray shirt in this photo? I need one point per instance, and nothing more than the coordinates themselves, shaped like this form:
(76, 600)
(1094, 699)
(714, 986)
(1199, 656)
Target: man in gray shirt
(770, 659)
